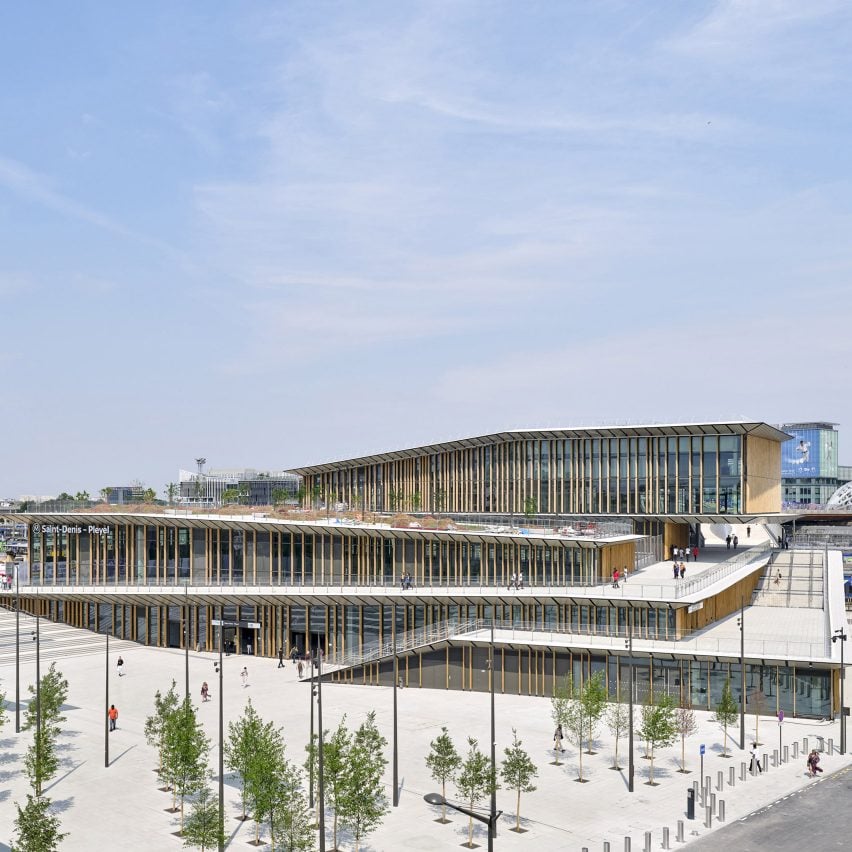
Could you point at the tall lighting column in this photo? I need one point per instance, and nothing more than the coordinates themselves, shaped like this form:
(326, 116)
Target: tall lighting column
(221, 730)
(741, 623)
(106, 701)
(395, 748)
(629, 644)
(10, 565)
(841, 636)
(321, 790)
(492, 825)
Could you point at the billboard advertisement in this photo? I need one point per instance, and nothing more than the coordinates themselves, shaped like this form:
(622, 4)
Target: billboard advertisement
(811, 453)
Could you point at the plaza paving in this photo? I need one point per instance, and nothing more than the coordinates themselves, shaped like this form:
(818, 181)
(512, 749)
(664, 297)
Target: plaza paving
(120, 808)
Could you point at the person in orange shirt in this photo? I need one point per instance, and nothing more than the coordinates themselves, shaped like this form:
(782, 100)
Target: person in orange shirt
(112, 713)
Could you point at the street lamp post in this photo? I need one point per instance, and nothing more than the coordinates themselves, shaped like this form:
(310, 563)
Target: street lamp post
(106, 701)
(395, 733)
(840, 634)
(221, 731)
(10, 565)
(38, 687)
(741, 624)
(629, 644)
(492, 823)
(311, 740)
(321, 790)
(489, 819)
(186, 641)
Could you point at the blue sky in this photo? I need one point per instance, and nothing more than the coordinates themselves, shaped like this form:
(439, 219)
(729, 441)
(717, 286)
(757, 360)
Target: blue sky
(275, 234)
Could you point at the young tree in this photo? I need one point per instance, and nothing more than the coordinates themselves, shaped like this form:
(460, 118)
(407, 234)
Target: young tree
(593, 695)
(52, 694)
(301, 493)
(335, 756)
(416, 501)
(474, 781)
(149, 495)
(240, 745)
(262, 772)
(575, 721)
(37, 830)
(185, 753)
(617, 721)
(443, 762)
(517, 772)
(440, 500)
(316, 494)
(171, 490)
(155, 724)
(685, 725)
(289, 815)
(202, 825)
(726, 714)
(40, 760)
(279, 496)
(560, 704)
(658, 727)
(757, 705)
(364, 802)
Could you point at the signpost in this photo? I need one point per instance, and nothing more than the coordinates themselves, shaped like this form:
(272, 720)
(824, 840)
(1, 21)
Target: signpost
(701, 751)
(780, 721)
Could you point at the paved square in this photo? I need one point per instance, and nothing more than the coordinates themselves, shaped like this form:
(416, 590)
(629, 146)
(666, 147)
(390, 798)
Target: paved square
(120, 808)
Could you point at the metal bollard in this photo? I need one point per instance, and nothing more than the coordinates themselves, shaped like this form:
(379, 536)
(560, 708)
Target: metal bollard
(804, 745)
(765, 762)
(720, 779)
(820, 742)
(680, 837)
(626, 844)
(698, 796)
(712, 803)
(775, 757)
(708, 783)
(795, 750)
(732, 776)
(721, 810)
(785, 755)
(831, 745)
(647, 841)
(666, 838)
(743, 772)
(585, 849)
(606, 846)
(708, 818)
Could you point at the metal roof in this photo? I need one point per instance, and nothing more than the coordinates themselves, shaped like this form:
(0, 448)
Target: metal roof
(761, 430)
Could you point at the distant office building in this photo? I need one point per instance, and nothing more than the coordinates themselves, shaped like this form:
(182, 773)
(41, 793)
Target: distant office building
(810, 473)
(247, 487)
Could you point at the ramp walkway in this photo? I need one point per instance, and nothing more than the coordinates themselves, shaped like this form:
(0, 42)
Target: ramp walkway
(793, 578)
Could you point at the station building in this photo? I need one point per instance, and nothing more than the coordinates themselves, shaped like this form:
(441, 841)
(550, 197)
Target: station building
(518, 533)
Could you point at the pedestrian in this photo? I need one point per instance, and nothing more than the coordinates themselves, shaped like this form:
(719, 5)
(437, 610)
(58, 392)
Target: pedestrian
(280, 658)
(294, 653)
(624, 574)
(112, 713)
(408, 580)
(300, 668)
(520, 580)
(728, 541)
(120, 666)
(778, 578)
(676, 570)
(695, 553)
(682, 570)
(748, 532)
(615, 578)
(204, 691)
(736, 542)
(813, 763)
(558, 736)
(755, 760)
(244, 676)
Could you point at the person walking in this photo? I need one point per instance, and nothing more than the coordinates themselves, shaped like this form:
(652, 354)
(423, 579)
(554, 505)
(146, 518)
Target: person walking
(120, 666)
(244, 676)
(813, 760)
(682, 570)
(280, 658)
(695, 553)
(676, 570)
(736, 541)
(615, 578)
(755, 760)
(205, 691)
(558, 736)
(748, 532)
(294, 654)
(112, 714)
(300, 668)
(728, 541)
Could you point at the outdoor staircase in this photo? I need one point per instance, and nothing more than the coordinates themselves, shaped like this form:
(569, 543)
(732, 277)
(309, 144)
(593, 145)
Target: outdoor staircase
(801, 583)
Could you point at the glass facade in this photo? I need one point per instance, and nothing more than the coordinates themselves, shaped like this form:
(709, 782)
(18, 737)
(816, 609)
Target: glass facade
(642, 474)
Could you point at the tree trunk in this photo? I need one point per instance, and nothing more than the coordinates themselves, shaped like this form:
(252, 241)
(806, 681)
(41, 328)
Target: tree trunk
(256, 833)
(244, 802)
(682, 752)
(181, 814)
(470, 829)
(615, 763)
(724, 740)
(518, 812)
(651, 775)
(334, 833)
(444, 797)
(581, 763)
